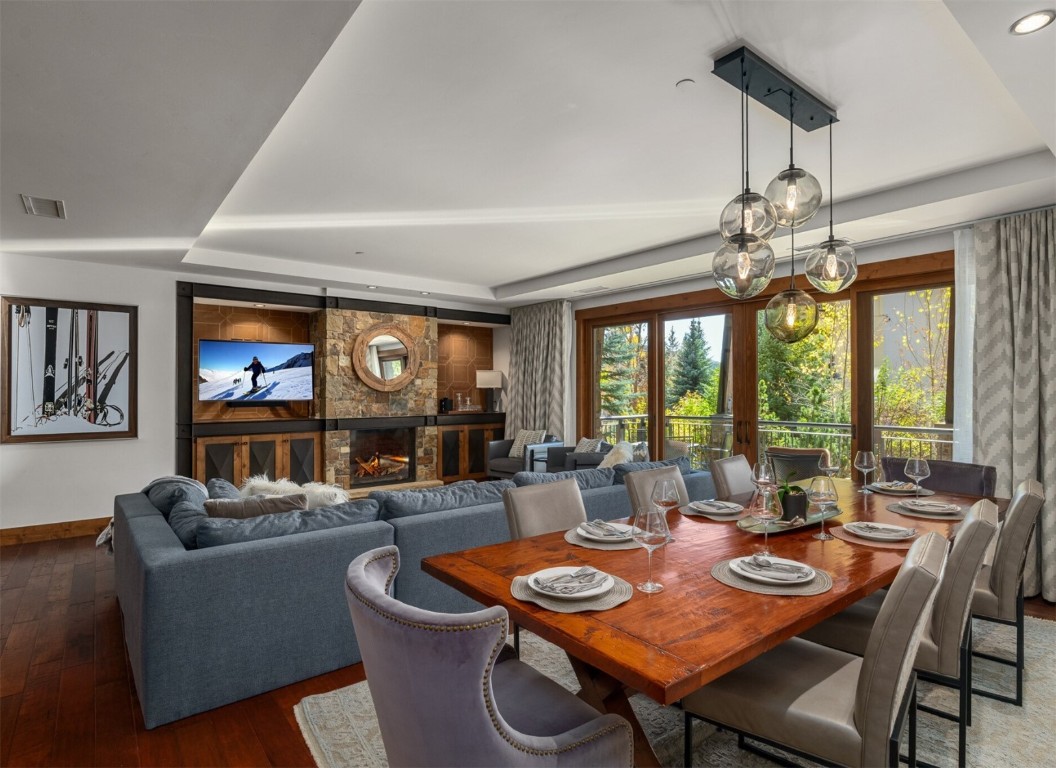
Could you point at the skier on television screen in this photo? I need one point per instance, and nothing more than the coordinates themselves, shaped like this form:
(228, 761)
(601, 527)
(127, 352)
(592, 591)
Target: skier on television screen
(257, 368)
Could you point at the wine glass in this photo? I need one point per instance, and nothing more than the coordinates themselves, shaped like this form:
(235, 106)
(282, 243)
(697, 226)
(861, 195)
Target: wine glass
(765, 480)
(650, 531)
(665, 496)
(822, 492)
(865, 462)
(829, 465)
(917, 470)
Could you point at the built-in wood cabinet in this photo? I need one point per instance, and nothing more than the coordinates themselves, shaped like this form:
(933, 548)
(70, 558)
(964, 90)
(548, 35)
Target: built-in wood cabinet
(294, 455)
(463, 450)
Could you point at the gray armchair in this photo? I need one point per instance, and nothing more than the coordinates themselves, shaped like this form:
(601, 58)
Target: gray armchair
(562, 458)
(501, 464)
(445, 693)
(948, 476)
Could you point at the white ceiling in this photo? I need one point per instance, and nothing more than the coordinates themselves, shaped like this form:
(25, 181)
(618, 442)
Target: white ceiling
(496, 153)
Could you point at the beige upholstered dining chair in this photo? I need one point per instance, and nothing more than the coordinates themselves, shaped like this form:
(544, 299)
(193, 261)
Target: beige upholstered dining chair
(446, 692)
(999, 587)
(732, 476)
(640, 485)
(826, 703)
(543, 508)
(803, 462)
(944, 655)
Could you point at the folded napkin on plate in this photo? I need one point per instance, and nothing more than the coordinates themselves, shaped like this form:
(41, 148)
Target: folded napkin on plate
(715, 506)
(877, 530)
(772, 572)
(896, 485)
(926, 505)
(601, 528)
(570, 584)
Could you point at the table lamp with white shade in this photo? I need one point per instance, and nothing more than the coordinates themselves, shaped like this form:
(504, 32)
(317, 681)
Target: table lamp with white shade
(491, 382)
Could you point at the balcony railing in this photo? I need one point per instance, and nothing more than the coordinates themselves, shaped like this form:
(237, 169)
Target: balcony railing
(703, 438)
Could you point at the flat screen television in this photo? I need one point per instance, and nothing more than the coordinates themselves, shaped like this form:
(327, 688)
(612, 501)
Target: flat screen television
(254, 371)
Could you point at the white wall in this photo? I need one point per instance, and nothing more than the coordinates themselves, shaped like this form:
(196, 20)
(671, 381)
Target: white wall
(60, 481)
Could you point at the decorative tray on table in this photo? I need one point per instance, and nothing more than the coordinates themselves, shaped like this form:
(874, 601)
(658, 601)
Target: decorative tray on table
(754, 525)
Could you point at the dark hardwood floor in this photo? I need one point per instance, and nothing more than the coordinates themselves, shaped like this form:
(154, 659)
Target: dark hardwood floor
(66, 692)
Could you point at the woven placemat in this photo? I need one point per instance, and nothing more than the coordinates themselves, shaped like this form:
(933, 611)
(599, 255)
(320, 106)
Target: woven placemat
(620, 593)
(690, 512)
(898, 509)
(843, 535)
(822, 582)
(573, 537)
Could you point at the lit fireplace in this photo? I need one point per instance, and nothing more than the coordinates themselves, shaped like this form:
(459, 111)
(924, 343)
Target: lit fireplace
(381, 456)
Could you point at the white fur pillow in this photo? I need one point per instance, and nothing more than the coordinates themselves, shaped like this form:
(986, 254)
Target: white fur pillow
(319, 494)
(621, 453)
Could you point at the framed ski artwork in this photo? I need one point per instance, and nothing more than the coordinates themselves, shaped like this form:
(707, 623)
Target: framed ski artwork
(68, 371)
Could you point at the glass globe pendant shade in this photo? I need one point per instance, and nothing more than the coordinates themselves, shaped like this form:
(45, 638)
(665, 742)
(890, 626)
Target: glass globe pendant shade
(791, 315)
(832, 265)
(743, 266)
(795, 195)
(750, 212)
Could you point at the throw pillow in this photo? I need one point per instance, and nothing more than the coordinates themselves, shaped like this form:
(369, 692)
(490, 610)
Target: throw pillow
(217, 531)
(319, 494)
(221, 489)
(524, 438)
(621, 453)
(166, 492)
(254, 506)
(684, 467)
(184, 520)
(640, 451)
(586, 479)
(587, 445)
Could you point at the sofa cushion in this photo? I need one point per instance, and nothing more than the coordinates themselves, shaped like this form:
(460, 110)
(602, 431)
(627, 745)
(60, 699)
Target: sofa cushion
(255, 506)
(586, 479)
(218, 531)
(221, 489)
(417, 502)
(166, 492)
(681, 462)
(184, 520)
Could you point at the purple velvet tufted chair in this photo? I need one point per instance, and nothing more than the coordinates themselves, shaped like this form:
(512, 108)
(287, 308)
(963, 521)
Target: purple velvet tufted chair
(445, 695)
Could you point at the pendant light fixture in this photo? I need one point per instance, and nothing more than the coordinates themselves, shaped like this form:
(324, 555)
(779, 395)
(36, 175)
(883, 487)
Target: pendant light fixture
(744, 263)
(831, 266)
(792, 314)
(794, 193)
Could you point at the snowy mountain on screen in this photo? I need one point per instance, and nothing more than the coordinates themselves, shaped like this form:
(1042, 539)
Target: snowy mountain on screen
(302, 360)
(283, 383)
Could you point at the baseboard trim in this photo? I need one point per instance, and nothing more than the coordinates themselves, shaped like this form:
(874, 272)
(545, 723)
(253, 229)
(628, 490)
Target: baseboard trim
(49, 531)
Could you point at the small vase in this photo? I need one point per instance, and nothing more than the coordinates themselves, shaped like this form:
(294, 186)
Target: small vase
(794, 505)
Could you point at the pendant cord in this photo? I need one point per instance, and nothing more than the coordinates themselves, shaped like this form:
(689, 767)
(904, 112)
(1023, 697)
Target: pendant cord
(830, 180)
(793, 278)
(747, 142)
(744, 149)
(791, 136)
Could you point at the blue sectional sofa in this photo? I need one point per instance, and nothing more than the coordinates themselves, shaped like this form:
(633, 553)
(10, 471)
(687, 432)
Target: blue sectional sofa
(206, 627)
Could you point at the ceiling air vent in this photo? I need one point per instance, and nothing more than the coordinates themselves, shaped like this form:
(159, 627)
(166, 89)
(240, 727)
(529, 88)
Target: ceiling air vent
(43, 206)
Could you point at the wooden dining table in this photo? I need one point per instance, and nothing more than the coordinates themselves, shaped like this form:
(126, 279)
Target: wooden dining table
(671, 643)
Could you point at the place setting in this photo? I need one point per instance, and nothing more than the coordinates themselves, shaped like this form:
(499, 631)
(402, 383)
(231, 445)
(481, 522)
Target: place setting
(931, 510)
(571, 589)
(601, 534)
(714, 509)
(882, 535)
(771, 575)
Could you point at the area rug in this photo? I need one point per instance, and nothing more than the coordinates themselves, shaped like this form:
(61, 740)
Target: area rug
(341, 730)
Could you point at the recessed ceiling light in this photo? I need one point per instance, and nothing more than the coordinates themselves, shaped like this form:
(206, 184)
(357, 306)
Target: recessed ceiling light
(260, 305)
(372, 287)
(424, 293)
(1032, 22)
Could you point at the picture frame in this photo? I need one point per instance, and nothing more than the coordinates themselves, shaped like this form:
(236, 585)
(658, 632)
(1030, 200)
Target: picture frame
(69, 371)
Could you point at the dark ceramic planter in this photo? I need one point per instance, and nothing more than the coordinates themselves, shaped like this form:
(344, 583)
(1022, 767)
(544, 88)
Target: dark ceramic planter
(794, 505)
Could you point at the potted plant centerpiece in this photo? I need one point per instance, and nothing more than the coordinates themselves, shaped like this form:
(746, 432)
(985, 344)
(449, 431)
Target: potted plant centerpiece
(793, 499)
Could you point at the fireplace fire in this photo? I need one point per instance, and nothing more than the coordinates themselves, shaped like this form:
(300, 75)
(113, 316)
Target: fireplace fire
(381, 456)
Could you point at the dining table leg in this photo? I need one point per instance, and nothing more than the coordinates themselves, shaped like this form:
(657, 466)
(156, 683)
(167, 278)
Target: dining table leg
(607, 694)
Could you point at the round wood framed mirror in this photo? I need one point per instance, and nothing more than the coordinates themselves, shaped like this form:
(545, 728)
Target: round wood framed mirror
(385, 357)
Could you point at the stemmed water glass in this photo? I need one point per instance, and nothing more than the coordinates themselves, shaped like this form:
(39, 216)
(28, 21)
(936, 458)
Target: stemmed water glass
(665, 496)
(765, 480)
(865, 462)
(650, 531)
(917, 470)
(822, 492)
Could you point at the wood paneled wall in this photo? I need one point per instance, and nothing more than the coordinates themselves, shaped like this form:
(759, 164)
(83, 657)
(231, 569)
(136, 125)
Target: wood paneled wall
(464, 350)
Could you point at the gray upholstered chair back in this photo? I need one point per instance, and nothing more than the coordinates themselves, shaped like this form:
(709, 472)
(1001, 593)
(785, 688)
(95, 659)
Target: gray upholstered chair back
(1013, 536)
(732, 476)
(433, 679)
(953, 599)
(543, 508)
(893, 642)
(804, 462)
(640, 485)
(948, 476)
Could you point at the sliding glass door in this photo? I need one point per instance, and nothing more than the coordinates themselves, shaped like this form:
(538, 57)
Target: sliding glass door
(620, 382)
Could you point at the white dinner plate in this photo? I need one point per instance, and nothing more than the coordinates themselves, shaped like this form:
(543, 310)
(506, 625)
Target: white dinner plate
(930, 507)
(740, 570)
(605, 582)
(899, 489)
(881, 531)
(587, 533)
(717, 508)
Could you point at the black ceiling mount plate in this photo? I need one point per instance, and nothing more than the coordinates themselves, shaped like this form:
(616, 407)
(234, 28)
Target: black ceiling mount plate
(770, 86)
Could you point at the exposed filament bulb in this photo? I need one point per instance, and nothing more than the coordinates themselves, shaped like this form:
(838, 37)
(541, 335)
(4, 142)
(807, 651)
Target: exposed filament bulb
(790, 314)
(744, 264)
(791, 195)
(747, 219)
(832, 271)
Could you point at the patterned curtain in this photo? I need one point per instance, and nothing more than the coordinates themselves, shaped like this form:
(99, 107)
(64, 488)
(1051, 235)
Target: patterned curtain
(1015, 370)
(540, 344)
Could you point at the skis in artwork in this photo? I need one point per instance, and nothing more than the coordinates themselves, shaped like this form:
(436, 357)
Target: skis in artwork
(51, 332)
